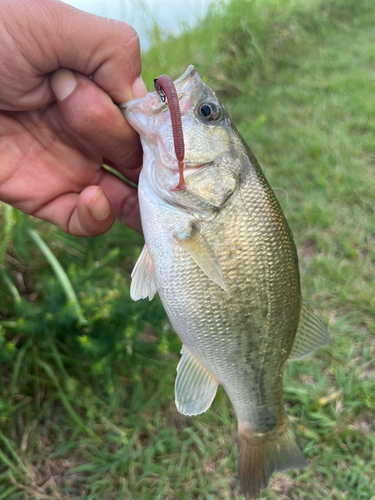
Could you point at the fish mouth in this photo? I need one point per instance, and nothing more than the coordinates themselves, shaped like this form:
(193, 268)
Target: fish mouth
(191, 169)
(156, 106)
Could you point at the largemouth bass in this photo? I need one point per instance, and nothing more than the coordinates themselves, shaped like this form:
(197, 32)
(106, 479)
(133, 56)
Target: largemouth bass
(221, 256)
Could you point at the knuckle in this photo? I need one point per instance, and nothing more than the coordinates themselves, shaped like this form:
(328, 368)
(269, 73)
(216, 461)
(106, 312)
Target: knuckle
(129, 34)
(127, 39)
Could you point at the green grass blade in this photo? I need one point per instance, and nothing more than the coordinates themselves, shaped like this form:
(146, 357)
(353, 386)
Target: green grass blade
(11, 287)
(117, 174)
(14, 455)
(60, 274)
(80, 250)
(7, 494)
(16, 369)
(9, 324)
(65, 401)
(7, 232)
(8, 463)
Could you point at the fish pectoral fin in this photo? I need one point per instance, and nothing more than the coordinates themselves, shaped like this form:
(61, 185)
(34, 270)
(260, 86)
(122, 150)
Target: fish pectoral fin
(195, 387)
(311, 333)
(143, 277)
(201, 252)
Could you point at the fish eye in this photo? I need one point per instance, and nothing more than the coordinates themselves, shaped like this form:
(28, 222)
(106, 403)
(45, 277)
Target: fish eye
(209, 111)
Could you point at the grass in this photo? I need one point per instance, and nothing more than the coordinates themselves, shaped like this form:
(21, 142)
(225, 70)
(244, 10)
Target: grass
(87, 407)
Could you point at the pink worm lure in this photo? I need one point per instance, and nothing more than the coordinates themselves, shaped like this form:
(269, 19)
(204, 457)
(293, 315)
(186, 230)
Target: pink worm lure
(166, 89)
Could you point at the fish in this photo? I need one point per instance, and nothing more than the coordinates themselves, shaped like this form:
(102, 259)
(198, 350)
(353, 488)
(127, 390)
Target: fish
(221, 255)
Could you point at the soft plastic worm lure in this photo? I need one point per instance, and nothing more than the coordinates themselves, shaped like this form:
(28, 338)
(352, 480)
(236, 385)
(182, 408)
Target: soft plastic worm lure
(167, 91)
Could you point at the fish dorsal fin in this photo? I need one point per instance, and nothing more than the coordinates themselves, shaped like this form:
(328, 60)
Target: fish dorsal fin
(203, 255)
(311, 333)
(195, 387)
(143, 277)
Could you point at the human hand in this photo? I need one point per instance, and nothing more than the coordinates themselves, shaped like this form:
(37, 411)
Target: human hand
(58, 126)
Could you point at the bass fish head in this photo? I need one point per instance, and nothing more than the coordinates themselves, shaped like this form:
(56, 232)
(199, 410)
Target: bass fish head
(213, 148)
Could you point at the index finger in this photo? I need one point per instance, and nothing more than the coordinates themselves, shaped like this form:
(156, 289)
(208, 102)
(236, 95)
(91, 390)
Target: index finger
(55, 35)
(109, 51)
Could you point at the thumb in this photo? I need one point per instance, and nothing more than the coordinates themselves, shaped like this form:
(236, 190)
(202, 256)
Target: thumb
(96, 121)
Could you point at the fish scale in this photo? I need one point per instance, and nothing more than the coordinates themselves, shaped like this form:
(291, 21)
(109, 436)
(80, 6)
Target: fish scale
(223, 260)
(190, 292)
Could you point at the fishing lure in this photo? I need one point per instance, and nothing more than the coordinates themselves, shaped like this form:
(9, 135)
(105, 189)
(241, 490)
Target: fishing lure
(167, 91)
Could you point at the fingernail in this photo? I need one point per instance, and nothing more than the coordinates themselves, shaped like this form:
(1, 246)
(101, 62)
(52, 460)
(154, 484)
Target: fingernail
(99, 206)
(139, 88)
(63, 83)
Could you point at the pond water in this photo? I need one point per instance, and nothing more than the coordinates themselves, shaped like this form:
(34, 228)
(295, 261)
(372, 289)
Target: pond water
(170, 15)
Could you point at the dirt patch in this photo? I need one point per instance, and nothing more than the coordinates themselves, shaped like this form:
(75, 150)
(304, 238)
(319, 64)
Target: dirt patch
(307, 250)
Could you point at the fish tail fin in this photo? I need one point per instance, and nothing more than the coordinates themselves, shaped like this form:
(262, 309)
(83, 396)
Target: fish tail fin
(261, 454)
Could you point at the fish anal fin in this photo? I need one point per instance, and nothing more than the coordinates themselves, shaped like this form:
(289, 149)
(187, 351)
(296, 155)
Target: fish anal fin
(201, 252)
(143, 277)
(195, 387)
(311, 333)
(261, 454)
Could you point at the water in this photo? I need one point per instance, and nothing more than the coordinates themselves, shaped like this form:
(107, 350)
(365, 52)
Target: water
(170, 15)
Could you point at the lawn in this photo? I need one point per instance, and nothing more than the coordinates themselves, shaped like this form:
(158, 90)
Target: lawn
(86, 375)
